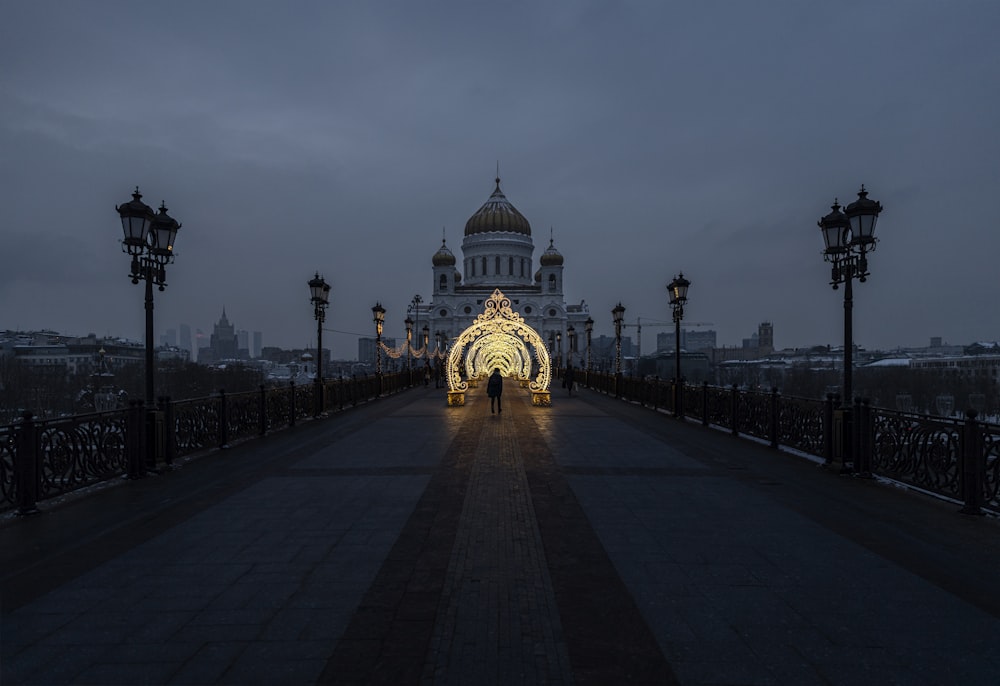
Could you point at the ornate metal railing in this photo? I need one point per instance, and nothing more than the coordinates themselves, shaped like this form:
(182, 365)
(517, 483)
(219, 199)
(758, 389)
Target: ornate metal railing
(41, 459)
(957, 459)
(920, 451)
(801, 425)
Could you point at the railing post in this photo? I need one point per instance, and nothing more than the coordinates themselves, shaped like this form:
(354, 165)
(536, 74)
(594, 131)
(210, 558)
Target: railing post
(27, 471)
(134, 443)
(828, 429)
(354, 390)
(291, 404)
(704, 403)
(151, 446)
(223, 419)
(680, 398)
(169, 433)
(972, 465)
(340, 393)
(775, 406)
(734, 409)
(863, 440)
(262, 410)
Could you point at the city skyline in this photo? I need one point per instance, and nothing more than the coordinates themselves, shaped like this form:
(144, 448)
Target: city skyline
(645, 140)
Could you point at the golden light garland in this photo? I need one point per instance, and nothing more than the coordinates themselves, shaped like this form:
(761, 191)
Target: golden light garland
(395, 353)
(499, 338)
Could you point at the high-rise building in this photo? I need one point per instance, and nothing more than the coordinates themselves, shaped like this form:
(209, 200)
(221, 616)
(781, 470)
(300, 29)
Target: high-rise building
(258, 344)
(184, 343)
(223, 344)
(169, 339)
(200, 344)
(366, 350)
(765, 338)
(698, 340)
(691, 340)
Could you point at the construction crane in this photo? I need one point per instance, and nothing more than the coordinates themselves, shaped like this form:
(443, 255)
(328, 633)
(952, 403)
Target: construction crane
(656, 323)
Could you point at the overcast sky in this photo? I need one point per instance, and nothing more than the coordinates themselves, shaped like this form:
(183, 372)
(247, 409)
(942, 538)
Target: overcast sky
(650, 137)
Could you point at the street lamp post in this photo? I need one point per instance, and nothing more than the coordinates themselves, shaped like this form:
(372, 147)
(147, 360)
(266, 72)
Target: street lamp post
(378, 314)
(589, 324)
(319, 296)
(848, 237)
(619, 315)
(559, 350)
(149, 240)
(409, 336)
(438, 352)
(427, 357)
(678, 289)
(571, 335)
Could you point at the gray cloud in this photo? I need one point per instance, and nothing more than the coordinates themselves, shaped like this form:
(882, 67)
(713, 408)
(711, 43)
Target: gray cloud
(652, 137)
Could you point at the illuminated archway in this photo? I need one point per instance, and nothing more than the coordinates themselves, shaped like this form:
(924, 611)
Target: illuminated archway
(499, 338)
(501, 351)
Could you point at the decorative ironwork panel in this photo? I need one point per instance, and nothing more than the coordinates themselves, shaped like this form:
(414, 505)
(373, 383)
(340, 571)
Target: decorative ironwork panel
(244, 415)
(917, 450)
(7, 448)
(80, 451)
(304, 399)
(800, 424)
(279, 404)
(755, 414)
(693, 406)
(196, 424)
(720, 407)
(991, 456)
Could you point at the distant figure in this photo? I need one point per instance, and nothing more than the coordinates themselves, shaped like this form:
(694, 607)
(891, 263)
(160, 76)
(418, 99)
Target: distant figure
(568, 379)
(494, 389)
(427, 374)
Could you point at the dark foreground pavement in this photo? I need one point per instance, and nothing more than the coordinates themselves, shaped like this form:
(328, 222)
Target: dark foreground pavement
(404, 542)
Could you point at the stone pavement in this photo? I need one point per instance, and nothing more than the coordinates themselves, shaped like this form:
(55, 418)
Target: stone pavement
(592, 542)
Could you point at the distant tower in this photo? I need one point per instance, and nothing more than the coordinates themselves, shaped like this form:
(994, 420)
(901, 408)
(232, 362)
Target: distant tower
(765, 338)
(223, 340)
(185, 339)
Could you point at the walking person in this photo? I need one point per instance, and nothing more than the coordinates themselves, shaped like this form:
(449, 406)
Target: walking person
(568, 379)
(494, 389)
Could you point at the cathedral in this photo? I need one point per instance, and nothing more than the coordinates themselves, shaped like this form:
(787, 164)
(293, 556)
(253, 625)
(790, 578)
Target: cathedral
(497, 252)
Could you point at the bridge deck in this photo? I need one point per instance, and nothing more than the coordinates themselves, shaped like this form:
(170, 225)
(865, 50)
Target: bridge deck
(592, 542)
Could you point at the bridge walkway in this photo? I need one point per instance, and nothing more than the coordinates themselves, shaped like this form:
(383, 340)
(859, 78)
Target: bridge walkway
(593, 542)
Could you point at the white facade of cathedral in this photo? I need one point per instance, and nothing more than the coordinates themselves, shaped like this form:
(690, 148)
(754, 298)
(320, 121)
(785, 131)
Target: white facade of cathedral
(497, 252)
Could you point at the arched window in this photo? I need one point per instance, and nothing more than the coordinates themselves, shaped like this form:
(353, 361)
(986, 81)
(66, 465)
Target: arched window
(522, 266)
(510, 266)
(552, 282)
(443, 282)
(496, 266)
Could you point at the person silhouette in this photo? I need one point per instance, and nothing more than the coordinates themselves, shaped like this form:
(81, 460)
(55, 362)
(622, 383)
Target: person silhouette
(494, 389)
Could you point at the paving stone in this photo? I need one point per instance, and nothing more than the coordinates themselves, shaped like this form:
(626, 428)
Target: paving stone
(591, 542)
